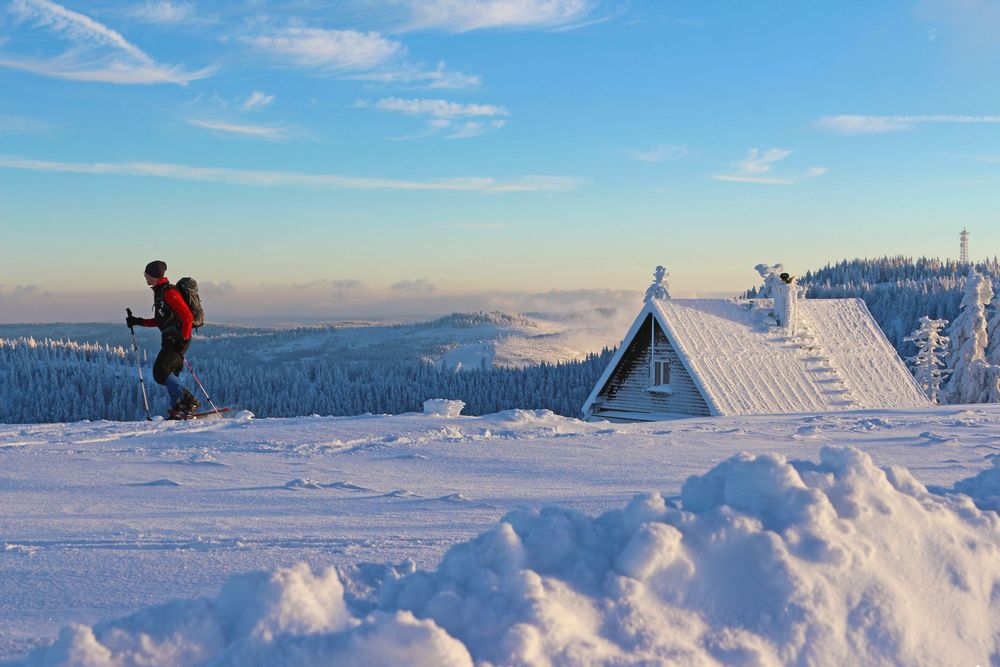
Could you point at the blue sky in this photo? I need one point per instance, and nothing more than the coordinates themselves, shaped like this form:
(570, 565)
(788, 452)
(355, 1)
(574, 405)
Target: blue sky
(423, 155)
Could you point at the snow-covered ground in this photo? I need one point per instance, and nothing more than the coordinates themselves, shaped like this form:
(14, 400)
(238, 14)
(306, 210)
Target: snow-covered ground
(570, 543)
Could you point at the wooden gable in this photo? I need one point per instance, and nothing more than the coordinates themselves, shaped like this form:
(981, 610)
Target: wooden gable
(635, 389)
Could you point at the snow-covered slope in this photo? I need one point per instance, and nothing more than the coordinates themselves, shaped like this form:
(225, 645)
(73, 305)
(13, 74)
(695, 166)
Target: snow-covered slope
(516, 538)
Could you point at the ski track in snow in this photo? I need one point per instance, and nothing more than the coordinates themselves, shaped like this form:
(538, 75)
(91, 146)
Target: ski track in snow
(101, 519)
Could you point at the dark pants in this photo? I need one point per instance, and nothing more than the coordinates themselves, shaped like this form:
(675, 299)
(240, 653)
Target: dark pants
(168, 361)
(168, 365)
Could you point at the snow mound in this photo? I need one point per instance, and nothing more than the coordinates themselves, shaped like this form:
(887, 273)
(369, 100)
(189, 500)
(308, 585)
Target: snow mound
(302, 483)
(442, 407)
(157, 482)
(291, 616)
(766, 561)
(984, 488)
(769, 562)
(346, 486)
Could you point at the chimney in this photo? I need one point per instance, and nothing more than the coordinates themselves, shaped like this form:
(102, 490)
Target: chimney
(786, 297)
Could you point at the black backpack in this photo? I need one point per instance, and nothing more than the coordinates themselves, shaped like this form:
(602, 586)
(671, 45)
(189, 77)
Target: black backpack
(188, 287)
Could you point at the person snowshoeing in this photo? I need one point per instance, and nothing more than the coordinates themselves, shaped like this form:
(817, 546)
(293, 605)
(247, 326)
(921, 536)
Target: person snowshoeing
(174, 319)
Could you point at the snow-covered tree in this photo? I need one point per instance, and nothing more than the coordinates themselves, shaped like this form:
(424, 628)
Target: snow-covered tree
(927, 362)
(993, 331)
(772, 279)
(970, 372)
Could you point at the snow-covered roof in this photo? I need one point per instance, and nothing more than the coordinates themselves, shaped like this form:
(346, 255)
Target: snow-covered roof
(743, 364)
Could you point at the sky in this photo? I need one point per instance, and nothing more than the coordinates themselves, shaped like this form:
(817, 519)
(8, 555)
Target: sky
(405, 157)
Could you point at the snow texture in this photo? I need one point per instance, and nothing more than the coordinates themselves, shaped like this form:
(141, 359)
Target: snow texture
(766, 561)
(519, 538)
(839, 360)
(443, 407)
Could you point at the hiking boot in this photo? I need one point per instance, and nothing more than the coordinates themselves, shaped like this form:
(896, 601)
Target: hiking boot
(185, 407)
(188, 402)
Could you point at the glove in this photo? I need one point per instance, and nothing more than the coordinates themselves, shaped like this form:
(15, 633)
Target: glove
(178, 344)
(132, 321)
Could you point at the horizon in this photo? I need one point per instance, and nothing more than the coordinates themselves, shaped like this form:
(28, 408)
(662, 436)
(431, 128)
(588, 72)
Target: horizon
(406, 158)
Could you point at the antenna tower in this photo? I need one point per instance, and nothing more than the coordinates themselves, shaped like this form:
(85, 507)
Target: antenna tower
(963, 253)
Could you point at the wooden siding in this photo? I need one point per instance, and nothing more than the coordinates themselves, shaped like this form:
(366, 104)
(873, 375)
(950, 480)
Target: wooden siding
(626, 391)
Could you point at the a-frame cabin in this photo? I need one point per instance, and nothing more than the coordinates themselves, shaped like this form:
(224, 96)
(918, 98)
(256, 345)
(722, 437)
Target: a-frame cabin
(782, 354)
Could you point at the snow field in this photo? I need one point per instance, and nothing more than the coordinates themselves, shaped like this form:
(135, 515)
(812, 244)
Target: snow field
(806, 551)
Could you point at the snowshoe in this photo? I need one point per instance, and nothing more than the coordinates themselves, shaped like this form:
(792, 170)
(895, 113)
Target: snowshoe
(185, 407)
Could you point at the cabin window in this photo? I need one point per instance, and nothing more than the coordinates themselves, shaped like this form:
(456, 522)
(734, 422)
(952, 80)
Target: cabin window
(661, 372)
(659, 377)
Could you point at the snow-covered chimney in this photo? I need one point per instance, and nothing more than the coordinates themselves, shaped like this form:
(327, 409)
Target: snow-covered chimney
(660, 289)
(786, 303)
(780, 286)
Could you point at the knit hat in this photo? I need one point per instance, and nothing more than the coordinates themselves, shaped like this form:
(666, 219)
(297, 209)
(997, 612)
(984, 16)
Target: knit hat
(156, 269)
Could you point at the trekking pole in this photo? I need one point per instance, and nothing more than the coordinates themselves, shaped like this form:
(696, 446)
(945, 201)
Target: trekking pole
(202, 387)
(138, 364)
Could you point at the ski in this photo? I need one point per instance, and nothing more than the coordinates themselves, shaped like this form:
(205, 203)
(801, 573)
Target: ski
(200, 415)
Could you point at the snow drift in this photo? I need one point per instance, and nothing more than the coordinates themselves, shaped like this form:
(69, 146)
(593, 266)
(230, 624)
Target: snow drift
(760, 561)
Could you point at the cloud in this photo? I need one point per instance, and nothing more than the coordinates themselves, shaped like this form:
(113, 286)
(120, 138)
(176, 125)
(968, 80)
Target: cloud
(466, 15)
(446, 117)
(438, 108)
(273, 132)
(262, 178)
(163, 12)
(220, 288)
(757, 165)
(347, 284)
(21, 294)
(661, 153)
(97, 52)
(21, 124)
(351, 54)
(408, 74)
(881, 124)
(418, 286)
(257, 101)
(326, 49)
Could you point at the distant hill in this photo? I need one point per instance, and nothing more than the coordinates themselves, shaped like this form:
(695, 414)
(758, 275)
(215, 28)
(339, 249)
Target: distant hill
(67, 372)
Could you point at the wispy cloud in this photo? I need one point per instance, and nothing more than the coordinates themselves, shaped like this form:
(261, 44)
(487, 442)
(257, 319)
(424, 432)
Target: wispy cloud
(273, 132)
(418, 286)
(256, 101)
(466, 15)
(417, 76)
(456, 121)
(21, 124)
(326, 49)
(347, 284)
(350, 54)
(97, 52)
(757, 167)
(262, 178)
(851, 124)
(163, 12)
(661, 153)
(438, 108)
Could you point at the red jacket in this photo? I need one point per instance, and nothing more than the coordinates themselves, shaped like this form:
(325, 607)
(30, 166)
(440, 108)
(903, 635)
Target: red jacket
(175, 302)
